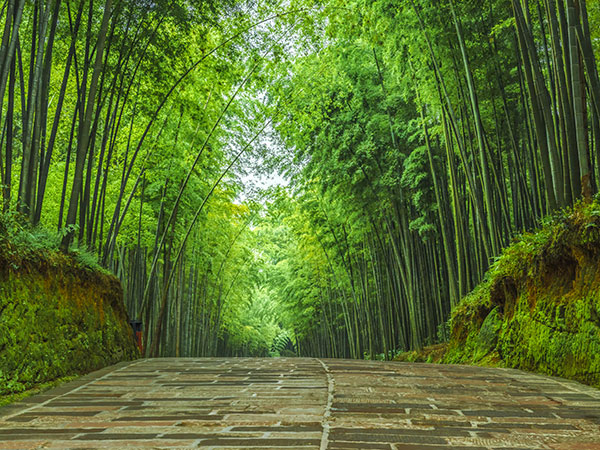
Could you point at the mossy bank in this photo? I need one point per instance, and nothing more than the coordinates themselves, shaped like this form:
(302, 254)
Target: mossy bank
(58, 317)
(539, 307)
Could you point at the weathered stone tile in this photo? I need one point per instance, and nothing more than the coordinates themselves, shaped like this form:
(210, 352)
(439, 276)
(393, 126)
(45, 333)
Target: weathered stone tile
(115, 436)
(208, 417)
(24, 444)
(282, 429)
(434, 447)
(282, 403)
(259, 442)
(353, 445)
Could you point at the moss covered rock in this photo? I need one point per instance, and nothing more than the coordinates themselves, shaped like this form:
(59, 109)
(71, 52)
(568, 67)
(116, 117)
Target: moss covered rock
(57, 318)
(539, 307)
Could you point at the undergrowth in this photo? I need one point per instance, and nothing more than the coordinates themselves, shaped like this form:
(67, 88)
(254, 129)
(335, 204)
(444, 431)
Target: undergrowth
(43, 387)
(60, 314)
(21, 242)
(538, 307)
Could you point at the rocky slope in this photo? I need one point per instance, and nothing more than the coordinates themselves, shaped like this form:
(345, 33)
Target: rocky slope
(539, 307)
(58, 317)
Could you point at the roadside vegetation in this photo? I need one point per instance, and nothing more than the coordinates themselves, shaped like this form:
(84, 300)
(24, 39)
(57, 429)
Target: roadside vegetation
(414, 140)
(538, 307)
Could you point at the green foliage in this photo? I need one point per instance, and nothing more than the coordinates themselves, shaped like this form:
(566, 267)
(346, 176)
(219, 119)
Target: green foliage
(409, 134)
(281, 344)
(58, 319)
(20, 242)
(19, 239)
(12, 398)
(538, 309)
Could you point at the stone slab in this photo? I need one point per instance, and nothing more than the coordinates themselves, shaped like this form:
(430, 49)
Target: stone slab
(303, 403)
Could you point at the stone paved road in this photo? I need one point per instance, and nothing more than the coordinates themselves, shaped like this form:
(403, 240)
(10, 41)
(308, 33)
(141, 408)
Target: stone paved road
(306, 404)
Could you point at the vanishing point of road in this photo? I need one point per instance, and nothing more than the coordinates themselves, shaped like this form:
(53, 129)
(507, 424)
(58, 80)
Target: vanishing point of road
(301, 403)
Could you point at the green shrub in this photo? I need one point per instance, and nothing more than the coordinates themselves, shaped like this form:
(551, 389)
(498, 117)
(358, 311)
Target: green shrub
(539, 307)
(59, 314)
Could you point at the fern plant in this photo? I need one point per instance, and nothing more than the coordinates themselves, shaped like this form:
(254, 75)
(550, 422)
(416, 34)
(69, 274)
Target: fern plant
(281, 342)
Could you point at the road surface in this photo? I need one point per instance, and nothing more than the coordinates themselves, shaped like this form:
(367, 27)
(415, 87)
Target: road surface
(301, 403)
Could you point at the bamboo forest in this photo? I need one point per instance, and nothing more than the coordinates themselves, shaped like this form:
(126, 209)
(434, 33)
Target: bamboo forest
(294, 177)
